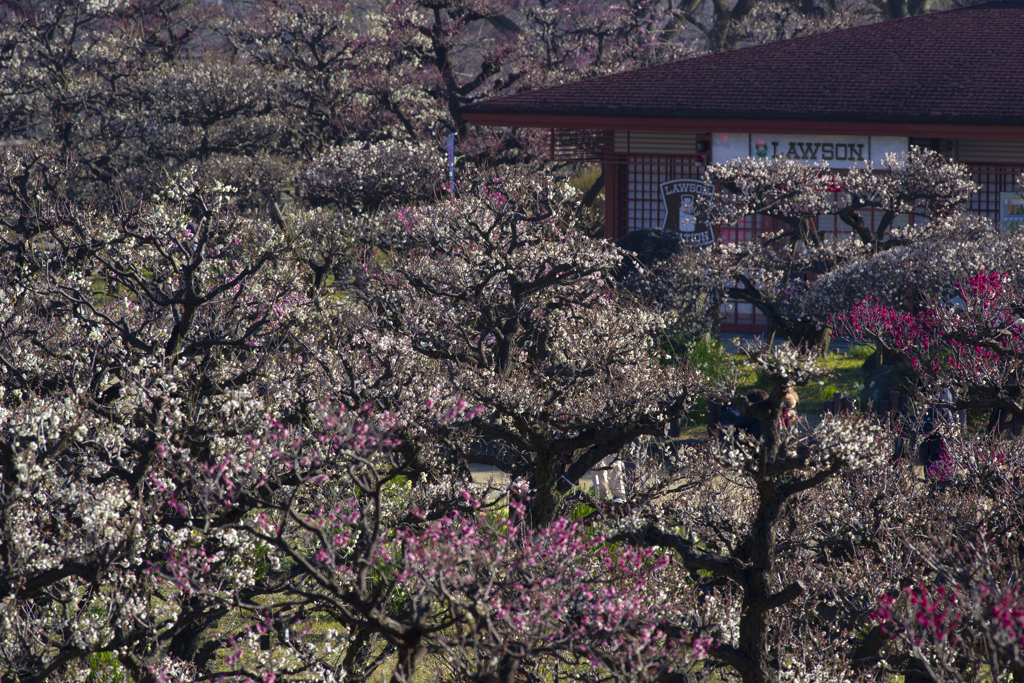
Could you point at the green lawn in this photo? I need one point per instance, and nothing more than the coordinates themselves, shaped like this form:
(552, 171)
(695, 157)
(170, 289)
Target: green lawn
(728, 369)
(846, 377)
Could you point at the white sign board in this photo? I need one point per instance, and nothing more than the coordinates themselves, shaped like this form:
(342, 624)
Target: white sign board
(838, 151)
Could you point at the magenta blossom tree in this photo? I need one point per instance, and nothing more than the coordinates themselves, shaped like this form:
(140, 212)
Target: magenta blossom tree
(970, 345)
(969, 617)
(961, 612)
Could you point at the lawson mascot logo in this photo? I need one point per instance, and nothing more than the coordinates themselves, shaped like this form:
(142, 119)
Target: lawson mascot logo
(680, 198)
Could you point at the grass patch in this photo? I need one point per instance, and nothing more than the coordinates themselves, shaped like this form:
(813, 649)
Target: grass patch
(105, 668)
(584, 180)
(708, 355)
(846, 376)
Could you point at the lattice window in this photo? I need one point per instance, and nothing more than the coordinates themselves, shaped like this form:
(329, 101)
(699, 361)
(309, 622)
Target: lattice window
(746, 230)
(640, 203)
(993, 178)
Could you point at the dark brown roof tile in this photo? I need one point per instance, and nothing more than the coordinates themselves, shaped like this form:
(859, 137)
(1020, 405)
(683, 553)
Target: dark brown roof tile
(963, 66)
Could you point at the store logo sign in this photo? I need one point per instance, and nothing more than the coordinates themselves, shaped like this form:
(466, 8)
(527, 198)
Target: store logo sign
(843, 151)
(680, 198)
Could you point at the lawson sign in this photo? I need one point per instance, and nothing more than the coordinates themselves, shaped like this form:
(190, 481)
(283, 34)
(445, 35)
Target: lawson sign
(680, 198)
(838, 151)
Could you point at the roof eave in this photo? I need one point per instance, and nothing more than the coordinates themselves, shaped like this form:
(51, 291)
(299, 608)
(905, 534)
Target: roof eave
(896, 129)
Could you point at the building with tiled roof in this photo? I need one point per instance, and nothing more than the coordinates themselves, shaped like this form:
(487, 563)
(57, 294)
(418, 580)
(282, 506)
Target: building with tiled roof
(951, 81)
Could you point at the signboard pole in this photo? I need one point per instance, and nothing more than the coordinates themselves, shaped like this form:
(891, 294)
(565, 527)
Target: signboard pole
(450, 145)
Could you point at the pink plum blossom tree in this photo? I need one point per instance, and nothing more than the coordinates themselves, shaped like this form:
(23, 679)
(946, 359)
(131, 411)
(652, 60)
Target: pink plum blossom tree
(969, 344)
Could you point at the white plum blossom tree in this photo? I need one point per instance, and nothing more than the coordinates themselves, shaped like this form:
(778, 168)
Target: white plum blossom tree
(771, 271)
(506, 302)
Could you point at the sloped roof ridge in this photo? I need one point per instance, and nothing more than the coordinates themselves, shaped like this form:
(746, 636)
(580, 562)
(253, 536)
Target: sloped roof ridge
(956, 66)
(767, 47)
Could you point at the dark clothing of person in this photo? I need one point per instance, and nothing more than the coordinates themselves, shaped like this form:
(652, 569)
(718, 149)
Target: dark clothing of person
(933, 448)
(905, 437)
(731, 417)
(1002, 420)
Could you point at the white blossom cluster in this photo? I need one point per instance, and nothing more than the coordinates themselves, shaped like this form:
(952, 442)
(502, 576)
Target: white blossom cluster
(367, 175)
(152, 346)
(519, 311)
(778, 187)
(905, 181)
(685, 289)
(846, 440)
(797, 276)
(773, 21)
(784, 363)
(134, 90)
(931, 264)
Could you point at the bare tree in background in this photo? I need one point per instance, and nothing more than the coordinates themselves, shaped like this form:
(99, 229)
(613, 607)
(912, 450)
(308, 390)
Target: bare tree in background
(717, 25)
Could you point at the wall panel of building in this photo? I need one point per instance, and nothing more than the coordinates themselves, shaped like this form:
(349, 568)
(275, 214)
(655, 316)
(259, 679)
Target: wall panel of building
(995, 165)
(647, 142)
(645, 160)
(1007, 152)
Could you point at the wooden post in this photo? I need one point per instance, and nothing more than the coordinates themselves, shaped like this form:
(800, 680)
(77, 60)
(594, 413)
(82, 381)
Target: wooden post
(714, 413)
(611, 188)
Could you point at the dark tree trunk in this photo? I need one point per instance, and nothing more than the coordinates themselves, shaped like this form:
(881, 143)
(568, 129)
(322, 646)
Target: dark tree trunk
(751, 657)
(916, 672)
(595, 189)
(545, 482)
(410, 656)
(188, 644)
(797, 332)
(357, 656)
